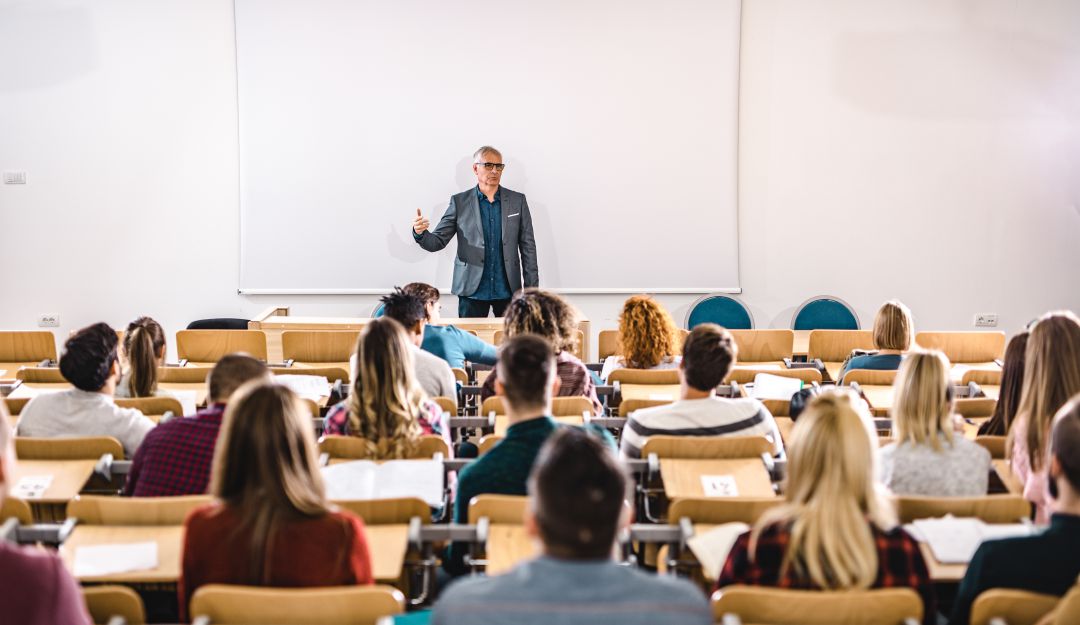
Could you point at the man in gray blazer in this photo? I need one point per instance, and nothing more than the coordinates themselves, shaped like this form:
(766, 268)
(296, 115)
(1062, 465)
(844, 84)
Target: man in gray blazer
(495, 247)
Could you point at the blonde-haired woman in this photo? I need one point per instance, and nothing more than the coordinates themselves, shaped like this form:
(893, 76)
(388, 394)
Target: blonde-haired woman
(271, 524)
(834, 532)
(386, 406)
(894, 332)
(1051, 377)
(929, 458)
(648, 337)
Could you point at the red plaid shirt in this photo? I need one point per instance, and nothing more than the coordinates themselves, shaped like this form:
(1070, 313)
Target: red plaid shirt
(900, 564)
(574, 380)
(175, 457)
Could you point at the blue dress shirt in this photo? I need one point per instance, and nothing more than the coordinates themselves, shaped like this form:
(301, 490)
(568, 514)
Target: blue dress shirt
(493, 283)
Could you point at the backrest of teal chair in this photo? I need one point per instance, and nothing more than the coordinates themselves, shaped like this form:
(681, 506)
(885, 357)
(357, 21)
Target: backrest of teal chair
(720, 309)
(825, 313)
(379, 311)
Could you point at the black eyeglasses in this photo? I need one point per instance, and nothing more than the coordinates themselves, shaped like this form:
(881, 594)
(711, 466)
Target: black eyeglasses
(493, 166)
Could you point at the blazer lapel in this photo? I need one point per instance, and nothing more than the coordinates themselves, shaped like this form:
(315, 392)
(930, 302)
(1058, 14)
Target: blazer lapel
(473, 205)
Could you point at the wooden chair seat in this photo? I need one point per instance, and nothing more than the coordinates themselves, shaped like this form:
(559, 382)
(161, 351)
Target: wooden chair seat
(249, 605)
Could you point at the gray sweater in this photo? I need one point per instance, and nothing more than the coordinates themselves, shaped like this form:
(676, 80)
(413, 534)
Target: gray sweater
(961, 469)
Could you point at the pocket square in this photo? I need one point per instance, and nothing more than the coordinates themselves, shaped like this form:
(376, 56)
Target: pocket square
(514, 215)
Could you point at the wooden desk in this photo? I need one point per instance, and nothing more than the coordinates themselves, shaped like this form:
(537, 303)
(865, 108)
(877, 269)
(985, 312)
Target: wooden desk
(508, 545)
(1004, 471)
(169, 539)
(388, 544)
(682, 477)
(948, 573)
(69, 477)
(880, 398)
(650, 391)
(502, 422)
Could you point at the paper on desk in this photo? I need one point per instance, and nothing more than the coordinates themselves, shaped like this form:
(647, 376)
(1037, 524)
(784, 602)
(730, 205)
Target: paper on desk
(954, 540)
(95, 560)
(719, 486)
(187, 401)
(309, 386)
(768, 386)
(32, 487)
(712, 547)
(364, 479)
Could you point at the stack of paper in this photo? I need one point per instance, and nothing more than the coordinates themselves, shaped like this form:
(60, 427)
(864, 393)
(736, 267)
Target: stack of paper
(954, 540)
(767, 386)
(364, 479)
(712, 548)
(97, 560)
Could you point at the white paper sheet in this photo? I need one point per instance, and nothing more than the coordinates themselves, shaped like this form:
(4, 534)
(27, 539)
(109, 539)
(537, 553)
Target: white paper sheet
(32, 487)
(712, 547)
(95, 560)
(719, 486)
(187, 401)
(768, 386)
(954, 540)
(364, 479)
(308, 386)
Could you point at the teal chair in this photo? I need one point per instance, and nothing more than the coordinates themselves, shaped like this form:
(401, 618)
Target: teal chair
(380, 310)
(720, 309)
(825, 313)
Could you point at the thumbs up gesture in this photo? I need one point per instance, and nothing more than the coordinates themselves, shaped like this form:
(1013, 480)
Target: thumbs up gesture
(420, 224)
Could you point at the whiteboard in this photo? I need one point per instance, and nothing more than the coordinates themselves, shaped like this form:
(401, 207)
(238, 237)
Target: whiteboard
(618, 120)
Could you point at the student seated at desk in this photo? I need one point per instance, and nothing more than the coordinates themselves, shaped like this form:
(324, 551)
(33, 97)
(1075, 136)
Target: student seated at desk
(144, 350)
(709, 353)
(433, 374)
(894, 332)
(549, 316)
(271, 524)
(648, 338)
(1051, 377)
(834, 531)
(35, 588)
(1047, 562)
(448, 342)
(175, 457)
(1012, 384)
(929, 458)
(386, 406)
(90, 363)
(528, 381)
(577, 505)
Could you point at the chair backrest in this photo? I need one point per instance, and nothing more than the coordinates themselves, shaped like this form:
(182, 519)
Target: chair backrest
(18, 509)
(184, 375)
(993, 444)
(502, 509)
(460, 375)
(869, 377)
(579, 343)
(720, 309)
(988, 508)
(960, 347)
(836, 345)
(608, 343)
(717, 510)
(81, 448)
(211, 345)
(252, 605)
(40, 375)
(746, 376)
(16, 404)
(104, 510)
(28, 346)
(387, 511)
(706, 447)
(825, 313)
(378, 311)
(1014, 607)
(447, 404)
(105, 602)
(662, 377)
(763, 345)
(1068, 609)
(332, 374)
(152, 405)
(485, 443)
(353, 447)
(975, 407)
(324, 346)
(990, 377)
(630, 405)
(775, 606)
(560, 406)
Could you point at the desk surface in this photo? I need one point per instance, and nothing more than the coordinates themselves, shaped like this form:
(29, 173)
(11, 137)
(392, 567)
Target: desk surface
(507, 545)
(388, 544)
(682, 477)
(169, 541)
(69, 477)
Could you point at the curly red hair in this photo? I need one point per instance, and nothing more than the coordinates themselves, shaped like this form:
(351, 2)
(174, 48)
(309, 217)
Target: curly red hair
(647, 334)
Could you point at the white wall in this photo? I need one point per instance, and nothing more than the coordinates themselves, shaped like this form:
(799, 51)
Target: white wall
(924, 150)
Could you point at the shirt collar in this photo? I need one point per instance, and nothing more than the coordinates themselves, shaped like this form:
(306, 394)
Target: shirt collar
(213, 411)
(480, 194)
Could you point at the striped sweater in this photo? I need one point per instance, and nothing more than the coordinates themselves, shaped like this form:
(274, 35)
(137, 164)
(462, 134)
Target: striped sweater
(712, 416)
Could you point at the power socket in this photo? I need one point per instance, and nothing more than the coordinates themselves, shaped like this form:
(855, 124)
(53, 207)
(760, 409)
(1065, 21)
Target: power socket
(49, 320)
(986, 320)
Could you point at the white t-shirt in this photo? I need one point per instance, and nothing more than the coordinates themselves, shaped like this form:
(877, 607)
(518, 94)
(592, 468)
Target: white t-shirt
(73, 413)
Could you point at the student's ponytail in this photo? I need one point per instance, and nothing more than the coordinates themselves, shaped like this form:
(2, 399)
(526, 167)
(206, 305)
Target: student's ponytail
(143, 341)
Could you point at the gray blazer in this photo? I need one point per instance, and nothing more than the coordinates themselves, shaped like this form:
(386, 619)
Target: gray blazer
(462, 219)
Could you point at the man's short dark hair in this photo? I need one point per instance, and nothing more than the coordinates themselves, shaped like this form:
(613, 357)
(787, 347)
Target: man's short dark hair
(232, 372)
(578, 490)
(526, 363)
(88, 357)
(427, 293)
(408, 310)
(709, 352)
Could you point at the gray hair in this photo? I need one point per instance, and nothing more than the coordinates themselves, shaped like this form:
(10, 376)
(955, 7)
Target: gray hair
(484, 149)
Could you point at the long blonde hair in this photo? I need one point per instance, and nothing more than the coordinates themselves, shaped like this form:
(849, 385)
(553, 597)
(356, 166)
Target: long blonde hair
(923, 406)
(384, 407)
(830, 496)
(266, 467)
(647, 334)
(1051, 377)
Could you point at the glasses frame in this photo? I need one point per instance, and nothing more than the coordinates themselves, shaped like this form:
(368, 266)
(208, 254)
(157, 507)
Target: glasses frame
(492, 166)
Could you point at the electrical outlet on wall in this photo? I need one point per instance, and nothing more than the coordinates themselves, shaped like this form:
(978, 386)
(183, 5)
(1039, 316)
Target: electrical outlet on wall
(49, 320)
(986, 320)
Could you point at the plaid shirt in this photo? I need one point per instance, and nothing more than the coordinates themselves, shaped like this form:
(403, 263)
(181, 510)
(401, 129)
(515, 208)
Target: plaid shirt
(175, 457)
(900, 564)
(574, 381)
